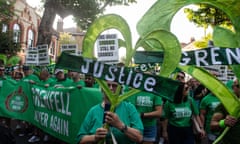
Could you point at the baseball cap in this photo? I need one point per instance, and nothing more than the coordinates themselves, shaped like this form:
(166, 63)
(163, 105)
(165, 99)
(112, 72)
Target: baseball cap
(58, 70)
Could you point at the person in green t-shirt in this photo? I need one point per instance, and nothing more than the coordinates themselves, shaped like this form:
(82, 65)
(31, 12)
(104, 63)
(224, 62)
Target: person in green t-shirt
(45, 78)
(149, 107)
(125, 124)
(3, 80)
(207, 107)
(221, 119)
(90, 81)
(61, 79)
(29, 76)
(77, 81)
(177, 127)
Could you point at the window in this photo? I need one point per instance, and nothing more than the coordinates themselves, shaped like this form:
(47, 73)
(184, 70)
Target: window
(30, 42)
(16, 33)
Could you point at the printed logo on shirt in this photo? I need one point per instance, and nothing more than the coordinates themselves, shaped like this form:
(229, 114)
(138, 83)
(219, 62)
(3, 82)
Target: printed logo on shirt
(182, 112)
(213, 105)
(17, 101)
(144, 101)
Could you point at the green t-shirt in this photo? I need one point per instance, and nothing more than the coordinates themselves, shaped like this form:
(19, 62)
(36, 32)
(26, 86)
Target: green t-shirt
(232, 136)
(125, 111)
(31, 77)
(146, 102)
(5, 79)
(179, 115)
(62, 83)
(209, 103)
(80, 82)
(49, 81)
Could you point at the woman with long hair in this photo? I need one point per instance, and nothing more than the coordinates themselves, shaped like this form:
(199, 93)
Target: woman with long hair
(177, 128)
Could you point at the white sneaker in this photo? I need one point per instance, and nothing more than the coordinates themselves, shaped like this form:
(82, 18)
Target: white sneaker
(18, 127)
(46, 138)
(34, 139)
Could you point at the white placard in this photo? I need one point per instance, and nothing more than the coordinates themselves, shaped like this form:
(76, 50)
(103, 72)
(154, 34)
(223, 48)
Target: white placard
(37, 55)
(71, 48)
(107, 48)
(43, 56)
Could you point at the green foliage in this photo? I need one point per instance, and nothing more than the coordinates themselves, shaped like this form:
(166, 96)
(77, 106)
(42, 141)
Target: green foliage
(7, 45)
(66, 38)
(207, 15)
(84, 11)
(6, 11)
(203, 43)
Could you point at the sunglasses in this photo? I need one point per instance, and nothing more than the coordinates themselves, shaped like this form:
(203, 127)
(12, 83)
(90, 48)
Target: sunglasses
(112, 85)
(2, 69)
(180, 77)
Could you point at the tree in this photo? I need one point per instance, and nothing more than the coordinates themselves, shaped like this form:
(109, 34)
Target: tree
(84, 12)
(7, 44)
(66, 38)
(207, 15)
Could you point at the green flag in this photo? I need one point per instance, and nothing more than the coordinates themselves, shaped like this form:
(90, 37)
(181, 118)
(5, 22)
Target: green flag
(58, 112)
(158, 85)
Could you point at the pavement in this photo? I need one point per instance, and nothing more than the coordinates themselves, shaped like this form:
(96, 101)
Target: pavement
(24, 139)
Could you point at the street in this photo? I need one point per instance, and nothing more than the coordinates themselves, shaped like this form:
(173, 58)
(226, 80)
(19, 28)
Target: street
(7, 135)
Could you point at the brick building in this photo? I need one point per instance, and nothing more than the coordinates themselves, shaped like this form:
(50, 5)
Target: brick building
(24, 25)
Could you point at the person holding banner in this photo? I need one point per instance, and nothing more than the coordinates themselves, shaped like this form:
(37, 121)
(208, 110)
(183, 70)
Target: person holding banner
(77, 81)
(29, 76)
(149, 107)
(177, 126)
(45, 78)
(61, 79)
(3, 80)
(221, 119)
(207, 107)
(125, 125)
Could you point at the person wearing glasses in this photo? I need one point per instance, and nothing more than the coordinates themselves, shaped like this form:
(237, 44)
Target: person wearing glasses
(177, 126)
(181, 76)
(125, 125)
(221, 119)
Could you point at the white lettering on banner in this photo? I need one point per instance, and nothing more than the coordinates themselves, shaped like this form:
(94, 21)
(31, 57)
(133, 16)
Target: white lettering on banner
(121, 76)
(41, 118)
(111, 75)
(87, 66)
(185, 60)
(59, 125)
(118, 75)
(201, 59)
(204, 57)
(215, 54)
(150, 82)
(98, 67)
(52, 100)
(231, 55)
(129, 77)
(137, 80)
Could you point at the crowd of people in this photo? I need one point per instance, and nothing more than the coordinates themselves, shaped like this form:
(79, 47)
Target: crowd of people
(60, 78)
(143, 118)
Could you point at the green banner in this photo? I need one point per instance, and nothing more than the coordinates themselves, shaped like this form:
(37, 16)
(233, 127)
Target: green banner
(162, 86)
(58, 112)
(199, 57)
